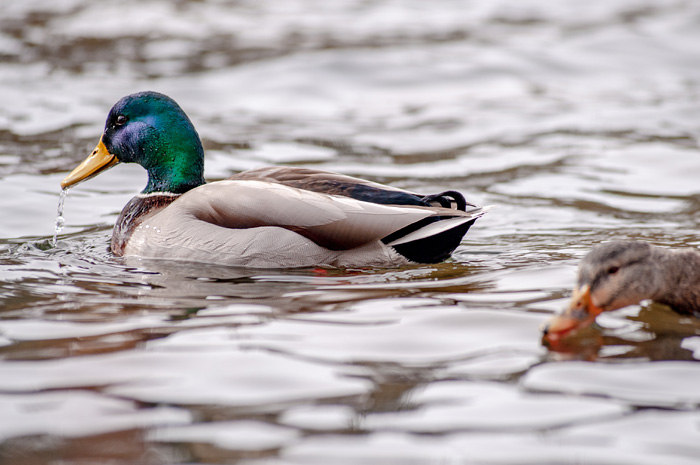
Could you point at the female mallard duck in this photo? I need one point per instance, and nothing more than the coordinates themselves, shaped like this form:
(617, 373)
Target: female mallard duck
(616, 274)
(268, 217)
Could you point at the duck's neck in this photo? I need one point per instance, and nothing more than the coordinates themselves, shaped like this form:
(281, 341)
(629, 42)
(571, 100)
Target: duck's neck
(175, 170)
(679, 287)
(134, 213)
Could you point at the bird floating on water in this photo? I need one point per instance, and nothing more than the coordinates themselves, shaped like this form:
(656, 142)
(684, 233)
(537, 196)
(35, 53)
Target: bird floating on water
(621, 273)
(267, 217)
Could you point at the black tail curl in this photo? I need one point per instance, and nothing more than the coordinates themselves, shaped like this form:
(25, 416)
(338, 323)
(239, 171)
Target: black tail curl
(446, 198)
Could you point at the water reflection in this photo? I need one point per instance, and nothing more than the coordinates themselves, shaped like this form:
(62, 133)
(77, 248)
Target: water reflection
(652, 333)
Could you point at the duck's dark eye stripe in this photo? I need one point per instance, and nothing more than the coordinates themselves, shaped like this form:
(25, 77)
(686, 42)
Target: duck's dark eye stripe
(121, 119)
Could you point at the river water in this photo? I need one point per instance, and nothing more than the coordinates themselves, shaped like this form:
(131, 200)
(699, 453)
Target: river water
(578, 121)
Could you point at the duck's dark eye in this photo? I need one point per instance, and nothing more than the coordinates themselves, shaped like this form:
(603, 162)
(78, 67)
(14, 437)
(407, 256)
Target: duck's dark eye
(613, 269)
(121, 119)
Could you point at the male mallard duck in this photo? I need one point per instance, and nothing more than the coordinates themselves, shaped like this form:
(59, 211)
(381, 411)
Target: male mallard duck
(616, 274)
(268, 217)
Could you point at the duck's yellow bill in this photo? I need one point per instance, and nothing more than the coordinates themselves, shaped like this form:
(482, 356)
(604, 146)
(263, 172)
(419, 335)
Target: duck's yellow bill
(580, 314)
(99, 160)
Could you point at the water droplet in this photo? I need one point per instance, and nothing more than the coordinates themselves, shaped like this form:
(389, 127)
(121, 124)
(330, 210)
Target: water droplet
(60, 221)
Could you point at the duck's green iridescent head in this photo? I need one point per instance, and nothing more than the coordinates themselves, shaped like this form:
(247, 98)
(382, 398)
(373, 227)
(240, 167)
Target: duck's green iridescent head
(150, 129)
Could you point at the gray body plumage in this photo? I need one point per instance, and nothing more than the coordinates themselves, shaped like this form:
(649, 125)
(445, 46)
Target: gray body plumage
(274, 225)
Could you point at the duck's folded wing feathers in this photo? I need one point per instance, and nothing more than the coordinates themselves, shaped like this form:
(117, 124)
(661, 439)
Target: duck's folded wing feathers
(326, 182)
(309, 179)
(335, 222)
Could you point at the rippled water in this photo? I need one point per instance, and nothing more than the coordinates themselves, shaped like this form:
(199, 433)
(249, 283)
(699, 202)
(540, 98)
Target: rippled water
(578, 122)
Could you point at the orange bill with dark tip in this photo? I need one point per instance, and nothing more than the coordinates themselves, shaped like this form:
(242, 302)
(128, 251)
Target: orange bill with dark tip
(98, 161)
(580, 314)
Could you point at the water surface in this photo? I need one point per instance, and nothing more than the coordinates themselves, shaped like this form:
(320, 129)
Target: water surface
(579, 123)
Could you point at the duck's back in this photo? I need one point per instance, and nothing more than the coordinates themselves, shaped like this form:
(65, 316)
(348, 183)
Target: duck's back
(330, 183)
(681, 274)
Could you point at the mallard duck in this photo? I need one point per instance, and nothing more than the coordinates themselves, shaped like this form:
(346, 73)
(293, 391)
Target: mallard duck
(268, 217)
(621, 273)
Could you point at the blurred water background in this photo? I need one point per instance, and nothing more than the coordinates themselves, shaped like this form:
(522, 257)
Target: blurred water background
(578, 121)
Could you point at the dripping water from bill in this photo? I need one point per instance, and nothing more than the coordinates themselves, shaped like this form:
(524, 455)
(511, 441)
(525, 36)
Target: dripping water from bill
(60, 221)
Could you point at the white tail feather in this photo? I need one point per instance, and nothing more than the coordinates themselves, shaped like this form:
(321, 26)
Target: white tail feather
(438, 227)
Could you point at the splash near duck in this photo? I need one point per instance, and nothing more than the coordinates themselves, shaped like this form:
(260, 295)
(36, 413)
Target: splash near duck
(267, 217)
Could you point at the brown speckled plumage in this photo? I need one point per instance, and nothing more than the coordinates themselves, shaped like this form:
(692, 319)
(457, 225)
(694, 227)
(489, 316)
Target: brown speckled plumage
(621, 273)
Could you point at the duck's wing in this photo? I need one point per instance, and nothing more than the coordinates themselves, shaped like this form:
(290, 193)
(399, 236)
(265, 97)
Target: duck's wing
(335, 222)
(330, 183)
